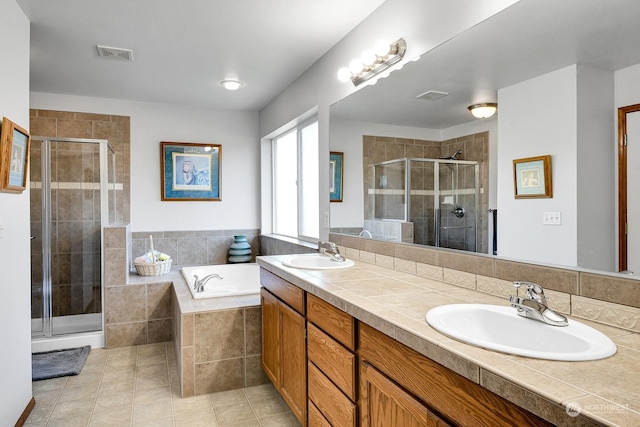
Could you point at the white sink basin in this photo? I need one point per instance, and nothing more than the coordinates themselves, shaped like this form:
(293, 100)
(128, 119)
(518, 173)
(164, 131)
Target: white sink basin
(501, 329)
(315, 262)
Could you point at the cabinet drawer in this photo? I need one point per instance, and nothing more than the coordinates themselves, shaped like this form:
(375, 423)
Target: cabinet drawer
(335, 361)
(316, 419)
(290, 294)
(335, 406)
(332, 320)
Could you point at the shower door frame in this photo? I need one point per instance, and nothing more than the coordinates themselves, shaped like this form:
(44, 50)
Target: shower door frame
(436, 198)
(436, 190)
(47, 307)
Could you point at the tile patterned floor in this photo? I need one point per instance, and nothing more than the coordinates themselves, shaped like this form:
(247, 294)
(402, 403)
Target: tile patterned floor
(138, 386)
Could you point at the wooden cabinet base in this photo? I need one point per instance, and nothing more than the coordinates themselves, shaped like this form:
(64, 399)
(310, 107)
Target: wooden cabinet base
(443, 391)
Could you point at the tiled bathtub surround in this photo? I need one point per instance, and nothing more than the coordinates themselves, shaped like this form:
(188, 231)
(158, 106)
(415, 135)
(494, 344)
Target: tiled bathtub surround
(217, 341)
(201, 247)
(606, 299)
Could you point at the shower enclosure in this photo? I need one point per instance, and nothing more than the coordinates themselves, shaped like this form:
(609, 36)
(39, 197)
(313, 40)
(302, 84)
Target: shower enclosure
(72, 199)
(438, 198)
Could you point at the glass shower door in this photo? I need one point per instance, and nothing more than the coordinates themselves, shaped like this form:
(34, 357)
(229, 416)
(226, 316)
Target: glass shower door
(457, 212)
(67, 214)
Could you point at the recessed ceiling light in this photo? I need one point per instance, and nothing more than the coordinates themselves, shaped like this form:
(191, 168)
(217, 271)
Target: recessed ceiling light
(231, 84)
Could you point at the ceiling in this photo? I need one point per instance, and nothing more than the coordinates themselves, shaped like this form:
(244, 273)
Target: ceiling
(528, 39)
(183, 49)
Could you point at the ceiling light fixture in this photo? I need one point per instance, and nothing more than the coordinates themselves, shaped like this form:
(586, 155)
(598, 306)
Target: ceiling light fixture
(373, 62)
(484, 110)
(231, 84)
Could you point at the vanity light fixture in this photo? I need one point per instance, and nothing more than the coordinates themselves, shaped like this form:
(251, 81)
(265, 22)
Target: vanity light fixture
(484, 110)
(373, 62)
(231, 84)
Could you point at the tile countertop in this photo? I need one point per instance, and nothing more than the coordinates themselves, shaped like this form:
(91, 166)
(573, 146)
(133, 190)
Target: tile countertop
(606, 391)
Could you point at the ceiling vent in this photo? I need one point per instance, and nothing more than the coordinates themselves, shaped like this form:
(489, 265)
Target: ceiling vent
(432, 95)
(115, 52)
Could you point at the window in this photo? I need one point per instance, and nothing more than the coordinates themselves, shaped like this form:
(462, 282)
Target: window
(295, 183)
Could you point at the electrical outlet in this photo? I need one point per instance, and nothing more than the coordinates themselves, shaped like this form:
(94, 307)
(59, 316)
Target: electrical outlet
(552, 218)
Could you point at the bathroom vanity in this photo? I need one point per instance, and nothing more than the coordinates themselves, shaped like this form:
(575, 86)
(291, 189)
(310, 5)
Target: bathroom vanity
(350, 347)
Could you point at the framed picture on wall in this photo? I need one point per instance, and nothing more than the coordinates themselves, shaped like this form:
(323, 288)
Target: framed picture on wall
(336, 170)
(532, 177)
(14, 157)
(190, 171)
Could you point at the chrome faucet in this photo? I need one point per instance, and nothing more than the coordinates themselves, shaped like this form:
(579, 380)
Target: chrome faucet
(535, 305)
(330, 249)
(198, 285)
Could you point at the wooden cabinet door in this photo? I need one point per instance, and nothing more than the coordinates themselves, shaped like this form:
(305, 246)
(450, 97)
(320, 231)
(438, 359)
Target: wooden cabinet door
(385, 404)
(293, 361)
(270, 337)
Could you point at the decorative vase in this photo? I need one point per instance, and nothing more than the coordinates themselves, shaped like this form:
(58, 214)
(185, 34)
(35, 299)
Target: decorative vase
(240, 250)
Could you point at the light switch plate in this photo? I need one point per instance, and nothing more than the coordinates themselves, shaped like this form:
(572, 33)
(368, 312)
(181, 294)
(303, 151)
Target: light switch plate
(552, 218)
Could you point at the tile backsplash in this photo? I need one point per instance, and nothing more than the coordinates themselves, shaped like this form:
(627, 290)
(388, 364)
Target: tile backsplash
(603, 298)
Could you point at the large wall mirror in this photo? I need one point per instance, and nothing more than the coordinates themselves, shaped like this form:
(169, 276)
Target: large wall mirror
(415, 157)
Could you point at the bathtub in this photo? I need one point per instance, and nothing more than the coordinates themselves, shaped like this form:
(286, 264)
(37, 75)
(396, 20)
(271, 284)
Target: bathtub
(237, 279)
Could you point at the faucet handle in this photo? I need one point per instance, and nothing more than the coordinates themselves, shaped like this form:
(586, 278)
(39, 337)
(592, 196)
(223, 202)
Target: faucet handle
(534, 291)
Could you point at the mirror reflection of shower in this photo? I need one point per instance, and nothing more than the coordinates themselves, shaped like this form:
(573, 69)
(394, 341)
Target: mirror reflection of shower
(427, 201)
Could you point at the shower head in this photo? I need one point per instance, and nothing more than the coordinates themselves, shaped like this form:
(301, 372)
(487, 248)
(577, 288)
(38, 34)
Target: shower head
(453, 156)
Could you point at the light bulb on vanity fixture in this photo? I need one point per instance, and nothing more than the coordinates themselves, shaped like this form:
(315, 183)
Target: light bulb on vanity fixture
(373, 62)
(484, 110)
(231, 84)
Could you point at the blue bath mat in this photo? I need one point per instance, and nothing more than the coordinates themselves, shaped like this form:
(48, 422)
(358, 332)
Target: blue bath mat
(58, 363)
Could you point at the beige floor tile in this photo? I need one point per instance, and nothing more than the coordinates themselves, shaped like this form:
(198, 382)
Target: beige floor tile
(192, 405)
(254, 423)
(206, 419)
(113, 417)
(138, 386)
(121, 362)
(152, 359)
(116, 387)
(282, 420)
(234, 414)
(152, 395)
(151, 411)
(72, 408)
(79, 391)
(225, 398)
(76, 421)
(165, 422)
(39, 415)
(122, 352)
(269, 407)
(49, 385)
(118, 374)
(260, 392)
(152, 349)
(110, 402)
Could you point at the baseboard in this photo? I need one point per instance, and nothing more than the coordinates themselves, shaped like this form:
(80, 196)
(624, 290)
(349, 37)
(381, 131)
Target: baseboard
(26, 412)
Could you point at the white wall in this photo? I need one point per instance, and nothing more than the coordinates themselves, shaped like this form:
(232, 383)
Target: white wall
(538, 117)
(153, 123)
(15, 295)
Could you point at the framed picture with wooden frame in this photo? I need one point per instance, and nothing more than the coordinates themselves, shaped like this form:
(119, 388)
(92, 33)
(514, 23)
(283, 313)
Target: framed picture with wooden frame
(532, 177)
(14, 157)
(190, 171)
(336, 170)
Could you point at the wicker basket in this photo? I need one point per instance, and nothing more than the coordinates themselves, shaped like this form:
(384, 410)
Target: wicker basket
(157, 269)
